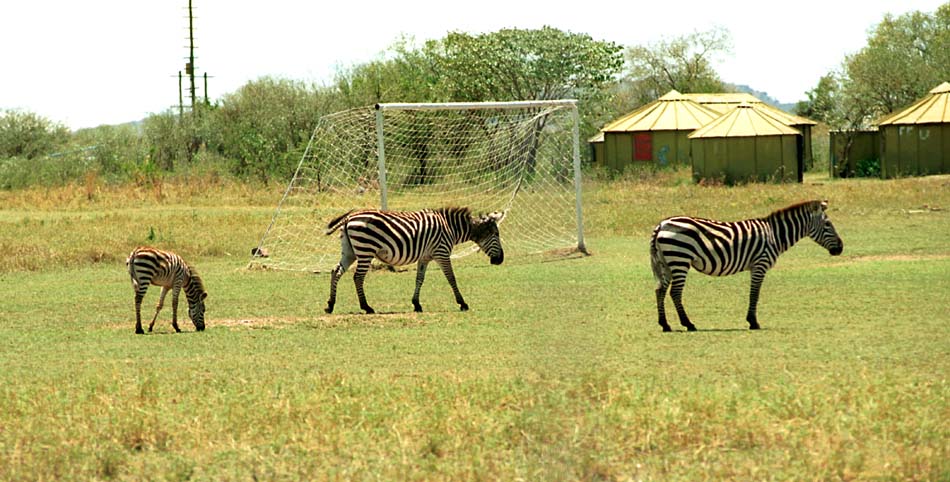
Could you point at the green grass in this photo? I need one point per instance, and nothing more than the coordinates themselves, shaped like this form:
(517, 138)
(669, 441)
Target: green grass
(559, 371)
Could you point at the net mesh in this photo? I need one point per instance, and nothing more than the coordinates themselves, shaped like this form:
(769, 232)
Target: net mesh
(518, 161)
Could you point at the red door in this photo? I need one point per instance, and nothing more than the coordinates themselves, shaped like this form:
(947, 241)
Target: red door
(642, 146)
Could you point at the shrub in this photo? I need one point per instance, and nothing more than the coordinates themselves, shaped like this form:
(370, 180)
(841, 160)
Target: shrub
(28, 135)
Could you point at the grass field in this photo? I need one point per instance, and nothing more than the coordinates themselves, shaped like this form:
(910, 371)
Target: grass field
(558, 372)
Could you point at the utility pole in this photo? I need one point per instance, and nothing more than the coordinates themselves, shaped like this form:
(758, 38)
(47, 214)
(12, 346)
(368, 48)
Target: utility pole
(190, 66)
(191, 71)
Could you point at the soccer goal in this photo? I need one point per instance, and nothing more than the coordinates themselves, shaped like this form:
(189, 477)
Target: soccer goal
(521, 158)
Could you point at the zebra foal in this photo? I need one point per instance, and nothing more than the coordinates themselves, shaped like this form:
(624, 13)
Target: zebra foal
(400, 238)
(721, 248)
(149, 266)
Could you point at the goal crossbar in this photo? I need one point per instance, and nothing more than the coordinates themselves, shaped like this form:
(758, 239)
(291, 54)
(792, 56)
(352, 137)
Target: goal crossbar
(521, 104)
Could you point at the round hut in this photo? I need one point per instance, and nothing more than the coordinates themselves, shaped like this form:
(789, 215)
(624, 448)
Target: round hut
(746, 144)
(655, 133)
(916, 140)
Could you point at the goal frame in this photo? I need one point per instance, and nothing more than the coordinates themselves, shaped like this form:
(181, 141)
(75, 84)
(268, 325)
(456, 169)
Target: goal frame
(381, 108)
(380, 120)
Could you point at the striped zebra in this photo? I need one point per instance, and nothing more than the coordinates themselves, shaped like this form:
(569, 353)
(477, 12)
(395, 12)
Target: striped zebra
(721, 248)
(400, 238)
(166, 269)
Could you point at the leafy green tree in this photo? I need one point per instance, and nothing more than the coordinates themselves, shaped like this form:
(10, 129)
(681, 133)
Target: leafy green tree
(265, 125)
(526, 64)
(683, 63)
(28, 135)
(519, 64)
(904, 58)
(402, 74)
(820, 104)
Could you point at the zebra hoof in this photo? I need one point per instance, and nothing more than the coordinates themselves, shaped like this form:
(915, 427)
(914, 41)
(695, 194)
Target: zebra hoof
(417, 308)
(667, 329)
(140, 332)
(754, 326)
(368, 310)
(328, 309)
(690, 328)
(463, 307)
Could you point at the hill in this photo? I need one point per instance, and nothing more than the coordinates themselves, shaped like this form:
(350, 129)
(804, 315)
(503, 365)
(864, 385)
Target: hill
(787, 107)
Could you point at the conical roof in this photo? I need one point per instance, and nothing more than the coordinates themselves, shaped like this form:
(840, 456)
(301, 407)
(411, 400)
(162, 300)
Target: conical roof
(725, 102)
(672, 112)
(744, 121)
(932, 109)
(722, 102)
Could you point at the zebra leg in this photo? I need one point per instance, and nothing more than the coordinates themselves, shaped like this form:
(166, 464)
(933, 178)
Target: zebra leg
(138, 311)
(758, 275)
(676, 292)
(661, 287)
(420, 277)
(446, 264)
(158, 307)
(175, 290)
(362, 267)
(346, 259)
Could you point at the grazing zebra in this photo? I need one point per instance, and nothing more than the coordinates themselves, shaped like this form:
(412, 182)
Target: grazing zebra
(720, 248)
(400, 238)
(166, 269)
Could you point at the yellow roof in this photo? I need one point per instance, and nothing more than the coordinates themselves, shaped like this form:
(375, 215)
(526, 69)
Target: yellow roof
(723, 102)
(672, 112)
(932, 109)
(599, 137)
(744, 121)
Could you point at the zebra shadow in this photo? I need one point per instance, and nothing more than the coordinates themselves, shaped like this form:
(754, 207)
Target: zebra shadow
(714, 330)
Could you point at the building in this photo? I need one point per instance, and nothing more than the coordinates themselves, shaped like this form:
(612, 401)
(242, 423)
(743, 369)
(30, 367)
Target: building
(655, 133)
(747, 144)
(916, 140)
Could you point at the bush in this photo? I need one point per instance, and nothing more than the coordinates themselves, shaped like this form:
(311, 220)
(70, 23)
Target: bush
(28, 135)
(868, 168)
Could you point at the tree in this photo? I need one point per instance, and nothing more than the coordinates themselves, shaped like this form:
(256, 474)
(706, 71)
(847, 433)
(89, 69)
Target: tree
(402, 74)
(821, 100)
(266, 123)
(28, 135)
(905, 57)
(517, 64)
(682, 63)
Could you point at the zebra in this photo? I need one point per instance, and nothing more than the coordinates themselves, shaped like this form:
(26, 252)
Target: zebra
(166, 269)
(400, 238)
(721, 248)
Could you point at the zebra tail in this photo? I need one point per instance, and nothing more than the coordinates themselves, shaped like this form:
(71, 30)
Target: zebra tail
(337, 222)
(661, 270)
(130, 264)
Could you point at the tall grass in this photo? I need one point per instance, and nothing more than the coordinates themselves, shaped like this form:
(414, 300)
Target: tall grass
(558, 372)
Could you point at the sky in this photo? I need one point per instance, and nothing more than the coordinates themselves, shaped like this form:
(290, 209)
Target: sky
(83, 64)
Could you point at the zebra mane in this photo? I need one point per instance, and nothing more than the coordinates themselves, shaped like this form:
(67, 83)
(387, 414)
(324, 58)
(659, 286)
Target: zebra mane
(194, 281)
(454, 211)
(798, 207)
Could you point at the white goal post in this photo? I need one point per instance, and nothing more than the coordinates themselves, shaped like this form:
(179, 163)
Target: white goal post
(521, 158)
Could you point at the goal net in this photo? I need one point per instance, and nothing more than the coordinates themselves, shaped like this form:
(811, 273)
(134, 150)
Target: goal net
(520, 158)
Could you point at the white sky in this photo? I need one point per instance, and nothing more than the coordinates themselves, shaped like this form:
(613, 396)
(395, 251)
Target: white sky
(86, 63)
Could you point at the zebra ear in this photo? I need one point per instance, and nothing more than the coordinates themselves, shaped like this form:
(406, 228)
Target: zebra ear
(824, 205)
(497, 216)
(204, 295)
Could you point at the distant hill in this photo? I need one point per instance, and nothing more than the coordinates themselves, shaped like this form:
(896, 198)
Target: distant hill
(764, 96)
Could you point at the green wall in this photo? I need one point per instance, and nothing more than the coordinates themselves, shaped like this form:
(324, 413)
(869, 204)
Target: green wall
(914, 150)
(741, 159)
